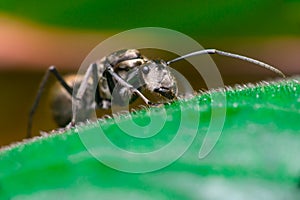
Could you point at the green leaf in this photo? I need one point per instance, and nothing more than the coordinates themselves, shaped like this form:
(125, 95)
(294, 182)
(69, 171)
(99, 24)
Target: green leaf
(256, 156)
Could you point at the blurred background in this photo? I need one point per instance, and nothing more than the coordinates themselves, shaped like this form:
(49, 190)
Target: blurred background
(37, 34)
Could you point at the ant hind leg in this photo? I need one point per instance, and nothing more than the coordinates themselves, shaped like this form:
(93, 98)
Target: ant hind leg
(52, 70)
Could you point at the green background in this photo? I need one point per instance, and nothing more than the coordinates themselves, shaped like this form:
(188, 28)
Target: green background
(196, 18)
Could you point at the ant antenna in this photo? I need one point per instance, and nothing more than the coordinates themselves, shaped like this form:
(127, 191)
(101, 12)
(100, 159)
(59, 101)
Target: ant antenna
(232, 55)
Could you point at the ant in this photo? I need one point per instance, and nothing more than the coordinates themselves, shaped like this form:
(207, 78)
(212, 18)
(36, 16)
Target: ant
(128, 73)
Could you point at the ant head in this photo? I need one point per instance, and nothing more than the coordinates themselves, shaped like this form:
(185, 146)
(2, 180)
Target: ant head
(158, 78)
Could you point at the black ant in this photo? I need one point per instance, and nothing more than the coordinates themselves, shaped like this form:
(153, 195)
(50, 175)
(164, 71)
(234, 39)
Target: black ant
(126, 71)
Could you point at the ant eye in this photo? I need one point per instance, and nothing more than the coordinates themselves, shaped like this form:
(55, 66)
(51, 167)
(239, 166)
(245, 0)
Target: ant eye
(145, 70)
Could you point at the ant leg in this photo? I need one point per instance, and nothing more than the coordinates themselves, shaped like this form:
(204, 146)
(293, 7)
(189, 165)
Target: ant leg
(92, 71)
(232, 55)
(110, 81)
(53, 70)
(127, 85)
(60, 79)
(98, 98)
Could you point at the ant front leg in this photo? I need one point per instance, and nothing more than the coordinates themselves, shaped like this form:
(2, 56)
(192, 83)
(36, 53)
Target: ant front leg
(85, 96)
(111, 76)
(63, 83)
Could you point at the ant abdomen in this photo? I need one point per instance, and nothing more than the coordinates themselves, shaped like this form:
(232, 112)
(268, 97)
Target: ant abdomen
(61, 100)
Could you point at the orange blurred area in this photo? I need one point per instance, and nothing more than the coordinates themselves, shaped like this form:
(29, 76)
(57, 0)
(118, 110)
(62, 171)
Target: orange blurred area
(28, 49)
(30, 45)
(27, 44)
